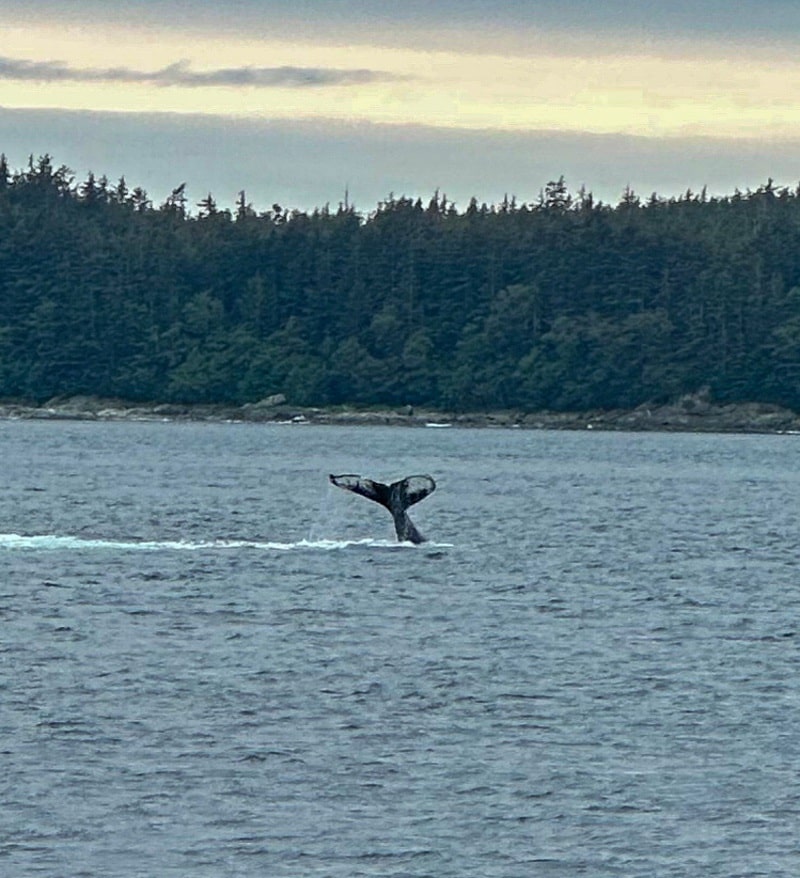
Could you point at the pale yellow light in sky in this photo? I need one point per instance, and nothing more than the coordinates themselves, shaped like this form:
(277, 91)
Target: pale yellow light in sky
(671, 93)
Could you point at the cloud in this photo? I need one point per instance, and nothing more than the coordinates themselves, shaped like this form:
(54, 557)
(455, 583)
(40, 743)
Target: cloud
(775, 18)
(182, 75)
(313, 162)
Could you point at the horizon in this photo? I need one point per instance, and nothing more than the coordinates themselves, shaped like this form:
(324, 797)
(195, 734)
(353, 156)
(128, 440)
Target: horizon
(195, 197)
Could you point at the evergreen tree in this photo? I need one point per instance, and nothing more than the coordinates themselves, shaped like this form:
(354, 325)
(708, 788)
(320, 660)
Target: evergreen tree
(564, 303)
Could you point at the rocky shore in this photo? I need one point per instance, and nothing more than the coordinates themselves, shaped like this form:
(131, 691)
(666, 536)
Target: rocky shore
(691, 413)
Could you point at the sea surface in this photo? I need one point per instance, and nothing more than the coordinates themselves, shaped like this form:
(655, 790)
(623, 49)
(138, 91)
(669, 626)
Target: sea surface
(213, 663)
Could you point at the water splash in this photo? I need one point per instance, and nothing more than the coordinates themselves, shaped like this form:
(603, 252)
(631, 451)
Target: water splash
(50, 542)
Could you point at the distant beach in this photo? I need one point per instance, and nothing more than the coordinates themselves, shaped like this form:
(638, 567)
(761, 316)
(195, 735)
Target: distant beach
(692, 413)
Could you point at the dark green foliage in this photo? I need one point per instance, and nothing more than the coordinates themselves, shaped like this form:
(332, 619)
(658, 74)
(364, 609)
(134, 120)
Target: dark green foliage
(563, 304)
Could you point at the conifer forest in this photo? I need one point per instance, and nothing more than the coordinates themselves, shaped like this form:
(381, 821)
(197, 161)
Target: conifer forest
(564, 303)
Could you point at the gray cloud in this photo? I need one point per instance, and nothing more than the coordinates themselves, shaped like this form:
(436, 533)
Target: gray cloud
(181, 74)
(305, 164)
(421, 20)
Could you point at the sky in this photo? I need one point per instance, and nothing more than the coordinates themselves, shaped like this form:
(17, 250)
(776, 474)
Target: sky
(306, 102)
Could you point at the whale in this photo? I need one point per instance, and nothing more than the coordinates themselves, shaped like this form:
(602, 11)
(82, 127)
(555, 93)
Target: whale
(396, 497)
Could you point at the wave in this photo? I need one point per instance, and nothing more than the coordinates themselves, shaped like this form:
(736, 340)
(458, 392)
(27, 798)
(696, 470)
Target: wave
(49, 542)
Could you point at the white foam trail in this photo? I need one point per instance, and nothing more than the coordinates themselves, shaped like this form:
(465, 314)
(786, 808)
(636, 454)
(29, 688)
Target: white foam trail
(49, 542)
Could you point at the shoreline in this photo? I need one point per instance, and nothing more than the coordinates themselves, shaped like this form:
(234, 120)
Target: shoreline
(691, 414)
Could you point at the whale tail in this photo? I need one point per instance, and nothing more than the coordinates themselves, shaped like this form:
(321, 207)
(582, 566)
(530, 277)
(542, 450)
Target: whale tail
(396, 497)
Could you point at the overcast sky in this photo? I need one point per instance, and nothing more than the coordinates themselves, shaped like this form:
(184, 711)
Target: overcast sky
(296, 101)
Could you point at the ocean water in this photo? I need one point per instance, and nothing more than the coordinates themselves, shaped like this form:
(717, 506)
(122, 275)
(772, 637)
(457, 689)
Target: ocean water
(212, 663)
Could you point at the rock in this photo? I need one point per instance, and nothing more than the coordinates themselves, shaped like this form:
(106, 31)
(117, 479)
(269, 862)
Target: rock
(268, 402)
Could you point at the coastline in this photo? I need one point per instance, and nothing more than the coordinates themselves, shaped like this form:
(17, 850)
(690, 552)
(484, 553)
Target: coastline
(693, 413)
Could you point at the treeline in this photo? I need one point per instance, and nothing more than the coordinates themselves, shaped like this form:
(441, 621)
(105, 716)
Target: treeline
(565, 303)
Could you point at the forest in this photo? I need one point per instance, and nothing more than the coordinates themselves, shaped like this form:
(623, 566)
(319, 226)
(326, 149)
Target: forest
(565, 303)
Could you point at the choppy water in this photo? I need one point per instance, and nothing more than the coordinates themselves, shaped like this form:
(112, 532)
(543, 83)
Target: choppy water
(214, 664)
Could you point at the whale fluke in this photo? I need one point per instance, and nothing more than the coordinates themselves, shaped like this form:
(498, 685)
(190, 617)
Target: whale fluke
(396, 497)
